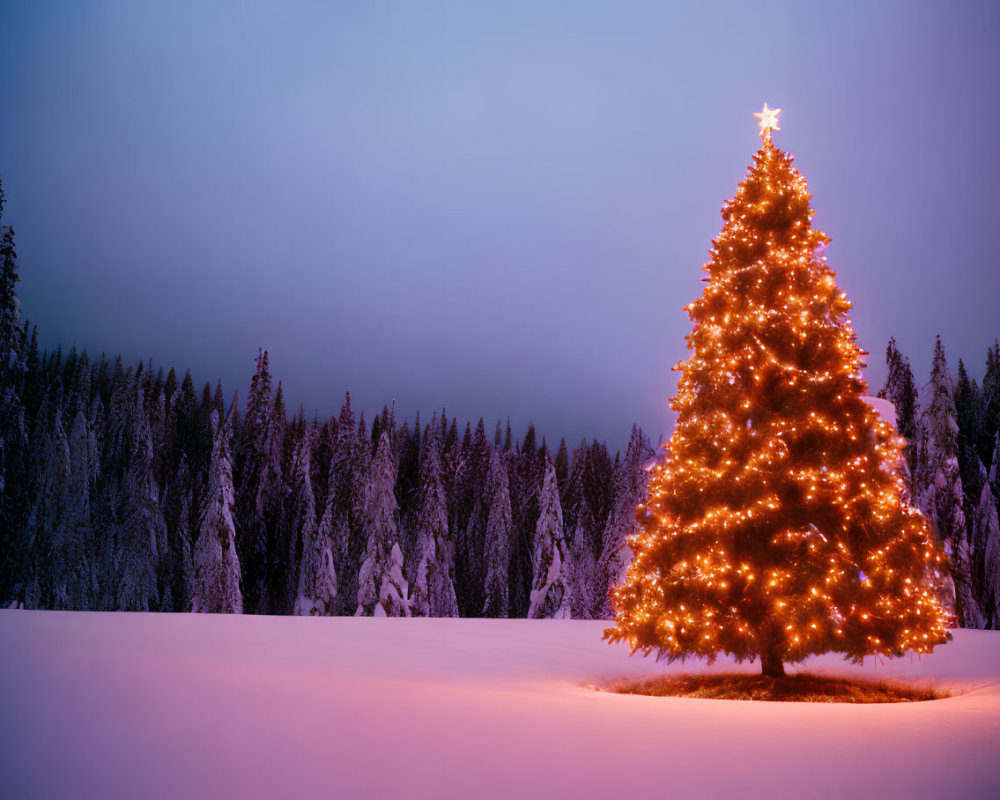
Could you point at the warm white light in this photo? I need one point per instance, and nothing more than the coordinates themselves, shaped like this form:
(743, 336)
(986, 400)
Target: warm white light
(767, 121)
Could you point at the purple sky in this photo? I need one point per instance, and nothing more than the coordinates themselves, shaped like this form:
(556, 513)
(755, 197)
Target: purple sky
(497, 207)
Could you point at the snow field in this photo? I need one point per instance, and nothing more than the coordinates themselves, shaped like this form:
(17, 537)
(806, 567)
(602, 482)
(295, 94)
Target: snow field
(147, 705)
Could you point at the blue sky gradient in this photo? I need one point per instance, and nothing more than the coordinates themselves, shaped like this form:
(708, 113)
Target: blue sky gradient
(497, 207)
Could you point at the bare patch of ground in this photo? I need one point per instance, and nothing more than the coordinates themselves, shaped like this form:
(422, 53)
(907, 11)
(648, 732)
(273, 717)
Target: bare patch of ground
(801, 688)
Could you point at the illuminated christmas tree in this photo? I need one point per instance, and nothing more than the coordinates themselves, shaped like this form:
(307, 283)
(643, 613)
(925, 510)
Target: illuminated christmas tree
(776, 526)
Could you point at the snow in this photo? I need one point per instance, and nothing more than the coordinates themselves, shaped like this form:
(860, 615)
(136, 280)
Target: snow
(884, 408)
(184, 705)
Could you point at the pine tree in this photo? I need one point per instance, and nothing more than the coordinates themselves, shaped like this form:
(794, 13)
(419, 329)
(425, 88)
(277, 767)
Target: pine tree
(499, 528)
(963, 569)
(583, 574)
(392, 600)
(342, 522)
(598, 487)
(317, 581)
(257, 468)
(186, 464)
(524, 471)
(11, 340)
(408, 484)
(216, 584)
(986, 549)
(52, 518)
(114, 448)
(382, 590)
(80, 579)
(990, 407)
(272, 494)
(13, 423)
(581, 523)
(470, 465)
(433, 592)
(549, 590)
(969, 419)
(178, 502)
(938, 482)
(630, 491)
(774, 527)
(994, 473)
(901, 390)
(143, 531)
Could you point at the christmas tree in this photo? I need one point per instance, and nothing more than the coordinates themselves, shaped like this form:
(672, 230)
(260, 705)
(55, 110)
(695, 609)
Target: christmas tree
(776, 526)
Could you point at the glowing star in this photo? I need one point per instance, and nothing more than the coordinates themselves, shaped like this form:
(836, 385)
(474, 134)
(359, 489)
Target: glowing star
(767, 121)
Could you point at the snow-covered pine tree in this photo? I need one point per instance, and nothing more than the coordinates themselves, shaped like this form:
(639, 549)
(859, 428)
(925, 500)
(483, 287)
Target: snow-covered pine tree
(580, 524)
(186, 466)
(157, 403)
(969, 613)
(178, 502)
(114, 447)
(969, 418)
(433, 593)
(598, 485)
(317, 584)
(78, 557)
(629, 492)
(469, 463)
(991, 410)
(938, 483)
(331, 532)
(257, 470)
(901, 390)
(524, 475)
(582, 573)
(408, 485)
(216, 582)
(11, 351)
(994, 473)
(143, 530)
(499, 528)
(986, 558)
(271, 502)
(50, 517)
(382, 590)
(550, 598)
(13, 424)
(385, 422)
(342, 520)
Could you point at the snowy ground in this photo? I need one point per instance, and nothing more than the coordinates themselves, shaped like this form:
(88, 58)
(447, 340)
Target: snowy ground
(142, 705)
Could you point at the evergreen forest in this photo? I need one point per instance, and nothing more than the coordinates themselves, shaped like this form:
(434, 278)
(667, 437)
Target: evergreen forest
(128, 487)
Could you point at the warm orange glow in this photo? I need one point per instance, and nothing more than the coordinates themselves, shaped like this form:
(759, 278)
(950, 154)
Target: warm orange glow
(776, 523)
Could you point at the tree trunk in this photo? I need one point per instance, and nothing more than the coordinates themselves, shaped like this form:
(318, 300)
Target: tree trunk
(771, 665)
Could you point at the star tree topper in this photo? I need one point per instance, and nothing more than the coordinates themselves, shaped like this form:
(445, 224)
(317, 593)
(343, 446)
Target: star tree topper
(767, 121)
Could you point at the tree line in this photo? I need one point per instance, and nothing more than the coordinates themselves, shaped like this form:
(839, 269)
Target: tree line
(123, 487)
(126, 488)
(952, 469)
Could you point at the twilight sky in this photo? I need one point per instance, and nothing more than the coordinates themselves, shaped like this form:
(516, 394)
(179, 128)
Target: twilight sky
(497, 207)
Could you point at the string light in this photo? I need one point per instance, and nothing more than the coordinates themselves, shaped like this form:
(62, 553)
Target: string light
(776, 524)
